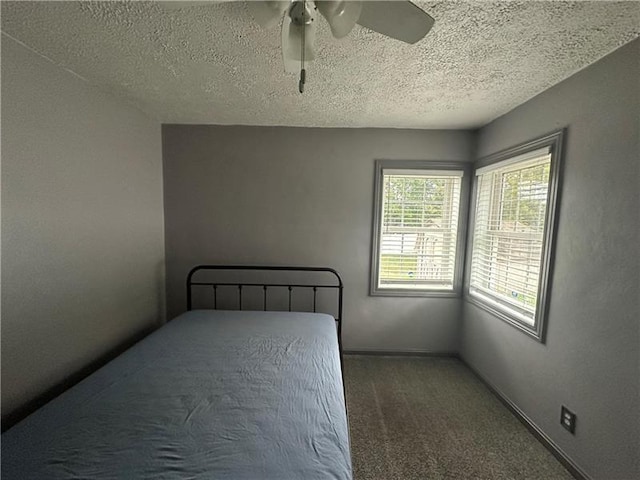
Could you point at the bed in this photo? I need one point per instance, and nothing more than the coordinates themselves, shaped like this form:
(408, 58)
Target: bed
(215, 394)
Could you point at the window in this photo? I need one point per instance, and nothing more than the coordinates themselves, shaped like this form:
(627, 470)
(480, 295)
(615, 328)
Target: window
(416, 228)
(512, 233)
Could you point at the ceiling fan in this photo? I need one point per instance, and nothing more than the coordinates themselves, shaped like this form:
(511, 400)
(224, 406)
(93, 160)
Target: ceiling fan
(398, 19)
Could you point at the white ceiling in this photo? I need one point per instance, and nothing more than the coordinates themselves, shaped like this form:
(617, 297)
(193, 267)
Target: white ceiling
(212, 64)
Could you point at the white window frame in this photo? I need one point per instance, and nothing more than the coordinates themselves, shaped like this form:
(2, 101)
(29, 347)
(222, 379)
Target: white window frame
(459, 169)
(553, 142)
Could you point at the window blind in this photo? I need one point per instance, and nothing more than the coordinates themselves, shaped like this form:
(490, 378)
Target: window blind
(509, 233)
(418, 229)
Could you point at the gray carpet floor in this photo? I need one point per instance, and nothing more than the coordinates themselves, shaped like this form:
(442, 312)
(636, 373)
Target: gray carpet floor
(432, 418)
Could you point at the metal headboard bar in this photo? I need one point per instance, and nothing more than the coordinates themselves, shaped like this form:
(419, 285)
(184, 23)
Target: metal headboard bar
(265, 286)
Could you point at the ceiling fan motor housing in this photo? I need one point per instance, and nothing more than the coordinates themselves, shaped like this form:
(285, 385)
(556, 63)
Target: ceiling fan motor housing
(302, 12)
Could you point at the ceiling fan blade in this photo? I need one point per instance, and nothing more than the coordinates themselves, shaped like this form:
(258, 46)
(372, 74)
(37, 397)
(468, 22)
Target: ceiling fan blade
(341, 15)
(292, 44)
(267, 13)
(401, 20)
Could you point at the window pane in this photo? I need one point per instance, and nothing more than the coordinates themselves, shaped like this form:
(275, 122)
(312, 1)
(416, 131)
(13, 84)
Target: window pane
(509, 235)
(418, 231)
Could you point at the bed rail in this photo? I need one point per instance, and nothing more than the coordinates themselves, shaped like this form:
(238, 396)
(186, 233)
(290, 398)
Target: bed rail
(337, 285)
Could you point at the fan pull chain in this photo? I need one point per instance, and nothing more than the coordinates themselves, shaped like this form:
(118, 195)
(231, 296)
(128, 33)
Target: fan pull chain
(303, 72)
(303, 75)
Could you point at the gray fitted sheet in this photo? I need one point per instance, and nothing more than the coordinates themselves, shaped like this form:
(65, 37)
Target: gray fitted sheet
(212, 394)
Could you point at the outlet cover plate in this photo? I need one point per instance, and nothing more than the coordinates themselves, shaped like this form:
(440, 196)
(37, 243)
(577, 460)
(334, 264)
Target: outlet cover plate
(568, 419)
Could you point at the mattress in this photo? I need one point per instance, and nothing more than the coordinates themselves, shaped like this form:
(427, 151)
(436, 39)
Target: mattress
(212, 394)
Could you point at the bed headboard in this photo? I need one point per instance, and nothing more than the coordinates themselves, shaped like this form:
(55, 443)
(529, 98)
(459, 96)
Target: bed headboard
(334, 284)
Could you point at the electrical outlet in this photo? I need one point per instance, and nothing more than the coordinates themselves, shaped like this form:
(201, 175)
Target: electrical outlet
(568, 419)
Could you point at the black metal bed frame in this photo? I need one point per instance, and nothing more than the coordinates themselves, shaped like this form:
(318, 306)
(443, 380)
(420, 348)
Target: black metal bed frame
(338, 285)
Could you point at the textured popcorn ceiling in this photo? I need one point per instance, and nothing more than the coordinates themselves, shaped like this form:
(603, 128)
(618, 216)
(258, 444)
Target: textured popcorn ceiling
(213, 64)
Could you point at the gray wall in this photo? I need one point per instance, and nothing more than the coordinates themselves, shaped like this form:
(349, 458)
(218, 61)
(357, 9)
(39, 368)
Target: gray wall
(273, 195)
(590, 360)
(82, 224)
